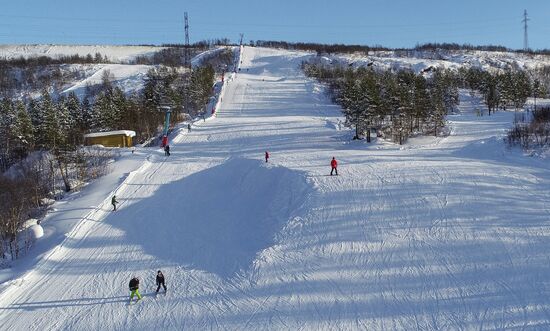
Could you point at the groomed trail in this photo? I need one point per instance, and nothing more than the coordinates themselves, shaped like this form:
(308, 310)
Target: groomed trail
(439, 234)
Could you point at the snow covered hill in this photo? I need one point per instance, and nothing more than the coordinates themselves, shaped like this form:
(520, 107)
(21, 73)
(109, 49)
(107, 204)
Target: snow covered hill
(442, 233)
(130, 78)
(424, 61)
(113, 53)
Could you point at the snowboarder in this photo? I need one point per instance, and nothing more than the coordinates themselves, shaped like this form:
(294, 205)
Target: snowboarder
(334, 166)
(160, 281)
(189, 127)
(134, 289)
(167, 150)
(114, 201)
(266, 156)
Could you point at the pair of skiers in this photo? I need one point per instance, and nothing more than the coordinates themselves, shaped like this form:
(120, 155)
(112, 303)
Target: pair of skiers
(134, 285)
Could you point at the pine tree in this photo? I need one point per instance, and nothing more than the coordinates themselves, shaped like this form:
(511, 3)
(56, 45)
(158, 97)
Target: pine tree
(351, 102)
(8, 117)
(422, 101)
(24, 129)
(75, 120)
(54, 135)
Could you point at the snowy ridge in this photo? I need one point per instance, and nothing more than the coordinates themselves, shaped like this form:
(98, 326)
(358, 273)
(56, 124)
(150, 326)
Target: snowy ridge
(113, 53)
(130, 78)
(422, 61)
(441, 233)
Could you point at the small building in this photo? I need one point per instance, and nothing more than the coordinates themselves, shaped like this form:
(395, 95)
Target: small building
(120, 138)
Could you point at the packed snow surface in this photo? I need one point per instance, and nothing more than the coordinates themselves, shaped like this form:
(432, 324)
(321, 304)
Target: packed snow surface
(442, 233)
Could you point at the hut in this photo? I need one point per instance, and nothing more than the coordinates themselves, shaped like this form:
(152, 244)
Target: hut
(120, 138)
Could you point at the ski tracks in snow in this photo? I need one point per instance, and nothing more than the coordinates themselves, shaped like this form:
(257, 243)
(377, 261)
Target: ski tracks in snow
(441, 234)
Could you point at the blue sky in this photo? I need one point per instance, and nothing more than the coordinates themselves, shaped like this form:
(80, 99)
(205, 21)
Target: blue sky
(399, 23)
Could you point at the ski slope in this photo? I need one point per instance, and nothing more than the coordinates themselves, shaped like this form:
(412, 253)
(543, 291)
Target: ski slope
(439, 234)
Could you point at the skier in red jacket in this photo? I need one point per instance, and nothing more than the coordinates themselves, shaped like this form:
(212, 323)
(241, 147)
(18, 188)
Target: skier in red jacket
(334, 166)
(266, 156)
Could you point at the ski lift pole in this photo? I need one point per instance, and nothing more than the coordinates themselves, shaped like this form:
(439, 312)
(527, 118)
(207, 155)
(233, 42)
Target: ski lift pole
(167, 111)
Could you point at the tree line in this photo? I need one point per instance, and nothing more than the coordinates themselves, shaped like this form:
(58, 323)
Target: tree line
(49, 123)
(502, 89)
(394, 104)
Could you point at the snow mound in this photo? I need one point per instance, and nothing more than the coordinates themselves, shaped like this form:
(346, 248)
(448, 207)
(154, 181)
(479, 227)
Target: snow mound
(36, 231)
(218, 219)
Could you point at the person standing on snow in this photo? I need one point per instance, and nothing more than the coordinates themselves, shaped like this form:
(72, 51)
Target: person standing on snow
(334, 166)
(134, 288)
(167, 150)
(114, 202)
(188, 127)
(160, 281)
(266, 156)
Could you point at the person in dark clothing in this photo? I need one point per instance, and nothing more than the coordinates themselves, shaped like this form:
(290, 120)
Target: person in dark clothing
(334, 166)
(167, 150)
(134, 288)
(160, 281)
(114, 202)
(266, 156)
(189, 127)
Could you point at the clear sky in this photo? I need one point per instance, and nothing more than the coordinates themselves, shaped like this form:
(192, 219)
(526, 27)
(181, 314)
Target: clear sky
(397, 23)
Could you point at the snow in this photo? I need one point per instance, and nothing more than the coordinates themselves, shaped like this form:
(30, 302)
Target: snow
(198, 59)
(130, 78)
(421, 61)
(113, 53)
(127, 133)
(441, 233)
(36, 231)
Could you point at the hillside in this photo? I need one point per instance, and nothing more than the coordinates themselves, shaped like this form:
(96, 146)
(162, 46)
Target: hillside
(113, 53)
(441, 233)
(420, 61)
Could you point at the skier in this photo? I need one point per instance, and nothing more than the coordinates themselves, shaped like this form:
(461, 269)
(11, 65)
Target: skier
(266, 156)
(189, 127)
(167, 150)
(160, 281)
(114, 201)
(134, 289)
(334, 166)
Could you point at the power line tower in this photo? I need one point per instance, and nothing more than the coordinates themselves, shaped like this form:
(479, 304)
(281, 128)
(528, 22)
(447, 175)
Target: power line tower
(187, 50)
(525, 39)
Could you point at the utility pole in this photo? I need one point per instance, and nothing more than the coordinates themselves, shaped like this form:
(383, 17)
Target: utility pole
(187, 55)
(241, 42)
(525, 39)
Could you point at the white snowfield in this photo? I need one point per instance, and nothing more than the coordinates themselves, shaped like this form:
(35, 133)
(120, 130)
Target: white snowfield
(113, 53)
(422, 61)
(439, 234)
(129, 78)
